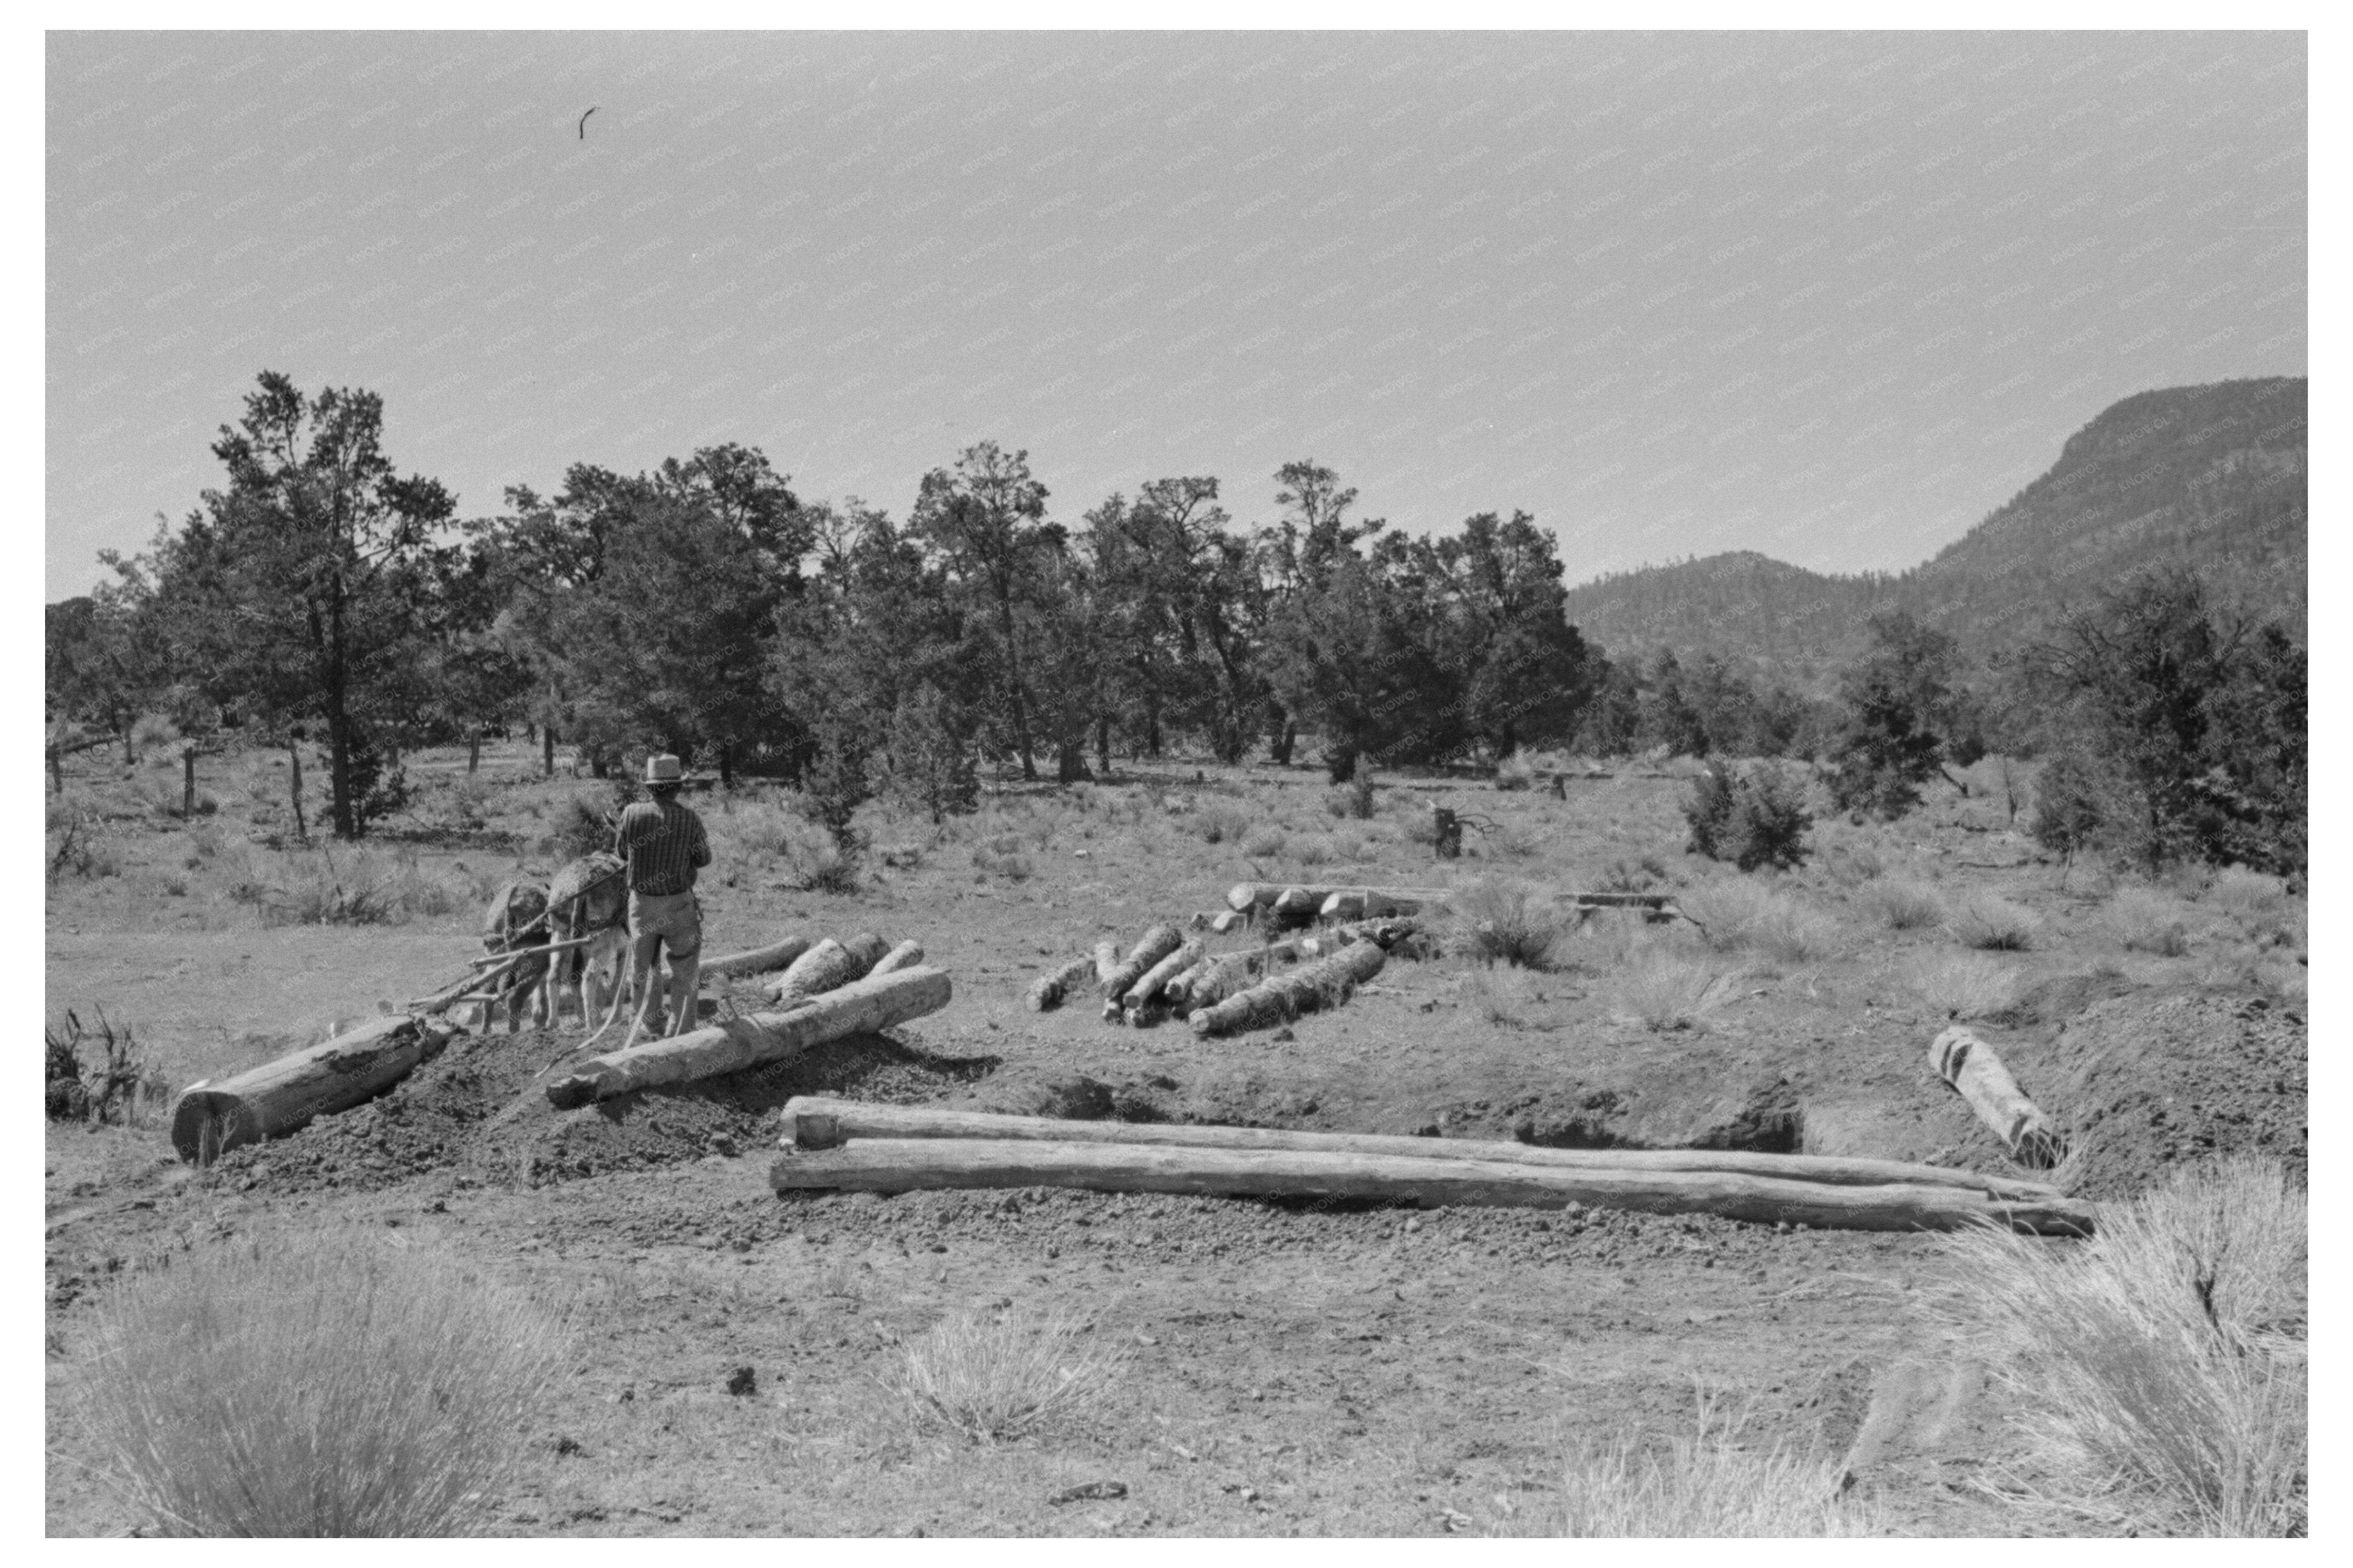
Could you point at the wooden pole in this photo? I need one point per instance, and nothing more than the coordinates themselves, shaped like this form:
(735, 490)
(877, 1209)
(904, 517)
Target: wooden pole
(821, 1122)
(859, 1007)
(1245, 896)
(1970, 1066)
(758, 961)
(892, 1165)
(210, 1119)
(1326, 982)
(1045, 993)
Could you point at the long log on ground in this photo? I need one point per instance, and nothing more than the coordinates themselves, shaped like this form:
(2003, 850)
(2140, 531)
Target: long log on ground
(1970, 1066)
(758, 961)
(1046, 992)
(910, 1164)
(1154, 978)
(1262, 895)
(210, 1119)
(823, 1122)
(859, 1007)
(829, 966)
(906, 955)
(1106, 962)
(1326, 982)
(1155, 945)
(1617, 900)
(1359, 903)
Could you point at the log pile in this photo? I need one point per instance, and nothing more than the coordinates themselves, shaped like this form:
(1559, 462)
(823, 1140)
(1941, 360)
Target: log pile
(1167, 974)
(835, 1145)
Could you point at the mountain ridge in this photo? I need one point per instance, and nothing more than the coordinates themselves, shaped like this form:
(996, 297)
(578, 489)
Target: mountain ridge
(2210, 477)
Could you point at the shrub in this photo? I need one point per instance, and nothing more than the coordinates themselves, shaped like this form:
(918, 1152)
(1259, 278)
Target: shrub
(1708, 1484)
(2158, 1367)
(2250, 896)
(933, 756)
(1508, 921)
(1622, 875)
(72, 843)
(1316, 850)
(1904, 906)
(1663, 990)
(1759, 819)
(1362, 799)
(2143, 920)
(1495, 998)
(1963, 985)
(989, 1379)
(1006, 863)
(316, 1386)
(583, 824)
(1515, 772)
(1995, 924)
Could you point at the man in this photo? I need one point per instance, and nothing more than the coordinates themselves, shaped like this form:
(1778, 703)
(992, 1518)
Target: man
(664, 845)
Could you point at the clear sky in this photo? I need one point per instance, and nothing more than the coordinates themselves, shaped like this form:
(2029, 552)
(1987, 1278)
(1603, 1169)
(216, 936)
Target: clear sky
(1830, 297)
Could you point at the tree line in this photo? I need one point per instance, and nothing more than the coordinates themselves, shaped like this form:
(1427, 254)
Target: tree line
(321, 597)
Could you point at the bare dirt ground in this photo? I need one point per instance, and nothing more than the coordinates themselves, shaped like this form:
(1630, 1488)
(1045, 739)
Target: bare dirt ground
(1284, 1368)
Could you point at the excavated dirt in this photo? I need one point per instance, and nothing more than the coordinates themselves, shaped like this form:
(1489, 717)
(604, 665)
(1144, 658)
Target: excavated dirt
(479, 1110)
(2147, 1084)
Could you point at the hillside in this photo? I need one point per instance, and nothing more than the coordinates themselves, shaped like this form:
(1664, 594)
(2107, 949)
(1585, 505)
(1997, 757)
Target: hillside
(2208, 477)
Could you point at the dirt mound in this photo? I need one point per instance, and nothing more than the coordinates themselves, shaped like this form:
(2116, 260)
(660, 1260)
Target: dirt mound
(2148, 1083)
(477, 1111)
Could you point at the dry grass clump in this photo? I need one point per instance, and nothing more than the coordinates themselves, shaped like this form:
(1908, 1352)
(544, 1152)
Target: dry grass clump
(325, 886)
(2142, 920)
(2160, 1368)
(1264, 842)
(1665, 990)
(72, 843)
(1904, 905)
(1963, 985)
(1705, 1486)
(987, 1379)
(1508, 922)
(1993, 923)
(1221, 822)
(320, 1385)
(2247, 895)
(1313, 849)
(1744, 912)
(1495, 998)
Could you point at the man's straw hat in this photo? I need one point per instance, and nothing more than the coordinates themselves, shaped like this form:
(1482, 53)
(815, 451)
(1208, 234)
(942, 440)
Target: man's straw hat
(662, 768)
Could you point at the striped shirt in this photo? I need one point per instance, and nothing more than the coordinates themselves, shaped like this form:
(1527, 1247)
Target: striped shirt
(664, 843)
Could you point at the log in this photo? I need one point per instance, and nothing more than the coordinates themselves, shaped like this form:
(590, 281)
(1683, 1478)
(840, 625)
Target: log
(1157, 944)
(827, 966)
(268, 1101)
(1154, 978)
(1297, 905)
(1616, 901)
(821, 1122)
(1106, 962)
(499, 960)
(906, 955)
(1046, 992)
(758, 961)
(909, 1164)
(1229, 922)
(1970, 1066)
(859, 1007)
(1326, 982)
